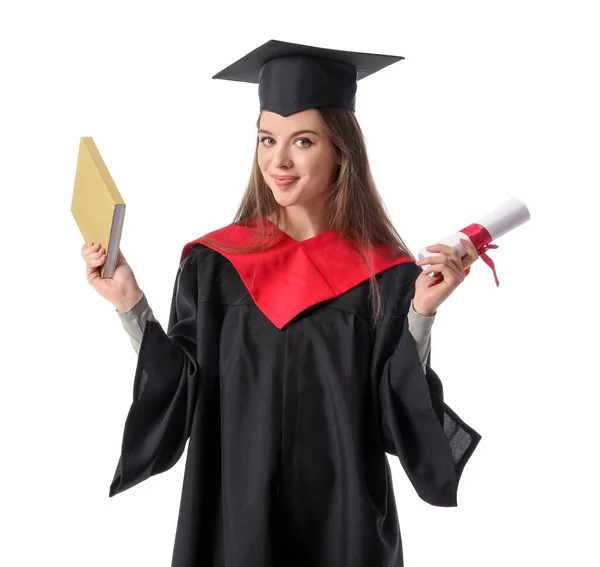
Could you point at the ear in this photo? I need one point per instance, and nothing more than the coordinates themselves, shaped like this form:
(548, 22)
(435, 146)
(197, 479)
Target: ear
(338, 154)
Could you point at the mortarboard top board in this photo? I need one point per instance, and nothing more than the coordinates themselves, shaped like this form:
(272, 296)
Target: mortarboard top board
(294, 77)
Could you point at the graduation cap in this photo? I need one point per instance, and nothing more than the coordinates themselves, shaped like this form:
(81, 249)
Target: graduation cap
(292, 77)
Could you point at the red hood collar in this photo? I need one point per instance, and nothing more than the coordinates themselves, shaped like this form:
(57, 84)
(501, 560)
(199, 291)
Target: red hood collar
(292, 276)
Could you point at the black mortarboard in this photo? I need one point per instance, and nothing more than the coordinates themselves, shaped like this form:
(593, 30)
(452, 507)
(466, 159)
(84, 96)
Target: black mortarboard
(294, 77)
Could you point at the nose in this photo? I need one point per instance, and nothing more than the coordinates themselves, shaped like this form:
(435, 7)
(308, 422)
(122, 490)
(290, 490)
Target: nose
(282, 158)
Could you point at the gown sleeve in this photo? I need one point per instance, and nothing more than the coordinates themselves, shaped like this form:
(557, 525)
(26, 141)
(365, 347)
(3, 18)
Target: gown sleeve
(165, 385)
(431, 441)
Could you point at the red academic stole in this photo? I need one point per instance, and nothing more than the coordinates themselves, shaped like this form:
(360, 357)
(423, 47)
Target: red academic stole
(292, 276)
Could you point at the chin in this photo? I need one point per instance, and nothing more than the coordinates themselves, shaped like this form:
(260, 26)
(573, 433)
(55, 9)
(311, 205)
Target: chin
(285, 201)
(284, 198)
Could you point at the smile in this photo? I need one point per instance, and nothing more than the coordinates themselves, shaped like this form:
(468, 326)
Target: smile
(285, 181)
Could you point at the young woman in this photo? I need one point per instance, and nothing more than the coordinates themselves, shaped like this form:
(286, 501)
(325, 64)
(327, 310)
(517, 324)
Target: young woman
(297, 349)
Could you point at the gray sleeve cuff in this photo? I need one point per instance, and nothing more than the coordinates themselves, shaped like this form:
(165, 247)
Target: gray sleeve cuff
(134, 320)
(420, 328)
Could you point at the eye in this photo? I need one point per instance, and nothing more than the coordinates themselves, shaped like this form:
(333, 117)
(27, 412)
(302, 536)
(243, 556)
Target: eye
(307, 142)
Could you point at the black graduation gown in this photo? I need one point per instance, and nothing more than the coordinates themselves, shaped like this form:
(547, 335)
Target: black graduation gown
(289, 403)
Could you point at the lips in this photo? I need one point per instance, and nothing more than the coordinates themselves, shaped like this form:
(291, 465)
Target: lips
(284, 180)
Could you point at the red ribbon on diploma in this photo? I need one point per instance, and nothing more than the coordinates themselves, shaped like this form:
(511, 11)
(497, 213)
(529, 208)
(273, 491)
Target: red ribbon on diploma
(481, 238)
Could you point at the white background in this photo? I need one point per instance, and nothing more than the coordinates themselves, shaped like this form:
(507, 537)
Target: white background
(494, 100)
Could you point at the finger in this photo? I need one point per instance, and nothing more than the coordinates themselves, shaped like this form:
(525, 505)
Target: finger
(472, 254)
(452, 255)
(449, 256)
(450, 271)
(98, 261)
(93, 264)
(92, 248)
(445, 249)
(92, 267)
(435, 281)
(95, 255)
(432, 261)
(86, 248)
(471, 248)
(467, 259)
(436, 259)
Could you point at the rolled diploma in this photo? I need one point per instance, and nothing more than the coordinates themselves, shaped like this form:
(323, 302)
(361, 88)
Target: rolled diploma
(501, 220)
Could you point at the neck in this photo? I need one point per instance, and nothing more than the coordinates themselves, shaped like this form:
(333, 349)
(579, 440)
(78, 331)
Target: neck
(300, 223)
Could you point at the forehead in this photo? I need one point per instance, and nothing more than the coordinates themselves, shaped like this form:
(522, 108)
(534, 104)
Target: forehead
(306, 119)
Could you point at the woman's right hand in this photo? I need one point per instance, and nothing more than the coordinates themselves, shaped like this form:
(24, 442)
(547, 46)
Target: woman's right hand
(122, 289)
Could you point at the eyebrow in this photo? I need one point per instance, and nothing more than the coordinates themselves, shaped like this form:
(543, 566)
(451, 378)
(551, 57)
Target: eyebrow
(261, 130)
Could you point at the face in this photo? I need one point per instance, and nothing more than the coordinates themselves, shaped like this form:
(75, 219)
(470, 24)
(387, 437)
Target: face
(298, 147)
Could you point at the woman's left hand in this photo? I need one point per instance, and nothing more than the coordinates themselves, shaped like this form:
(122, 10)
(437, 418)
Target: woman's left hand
(449, 268)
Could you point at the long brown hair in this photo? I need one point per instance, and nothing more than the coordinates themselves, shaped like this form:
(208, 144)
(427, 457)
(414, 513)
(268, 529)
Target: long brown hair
(354, 206)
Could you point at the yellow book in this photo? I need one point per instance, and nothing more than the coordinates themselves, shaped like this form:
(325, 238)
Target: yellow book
(97, 205)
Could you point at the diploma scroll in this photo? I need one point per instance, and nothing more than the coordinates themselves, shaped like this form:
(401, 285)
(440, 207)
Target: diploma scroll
(501, 220)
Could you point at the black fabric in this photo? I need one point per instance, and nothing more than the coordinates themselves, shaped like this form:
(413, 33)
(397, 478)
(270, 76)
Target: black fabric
(288, 429)
(293, 77)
